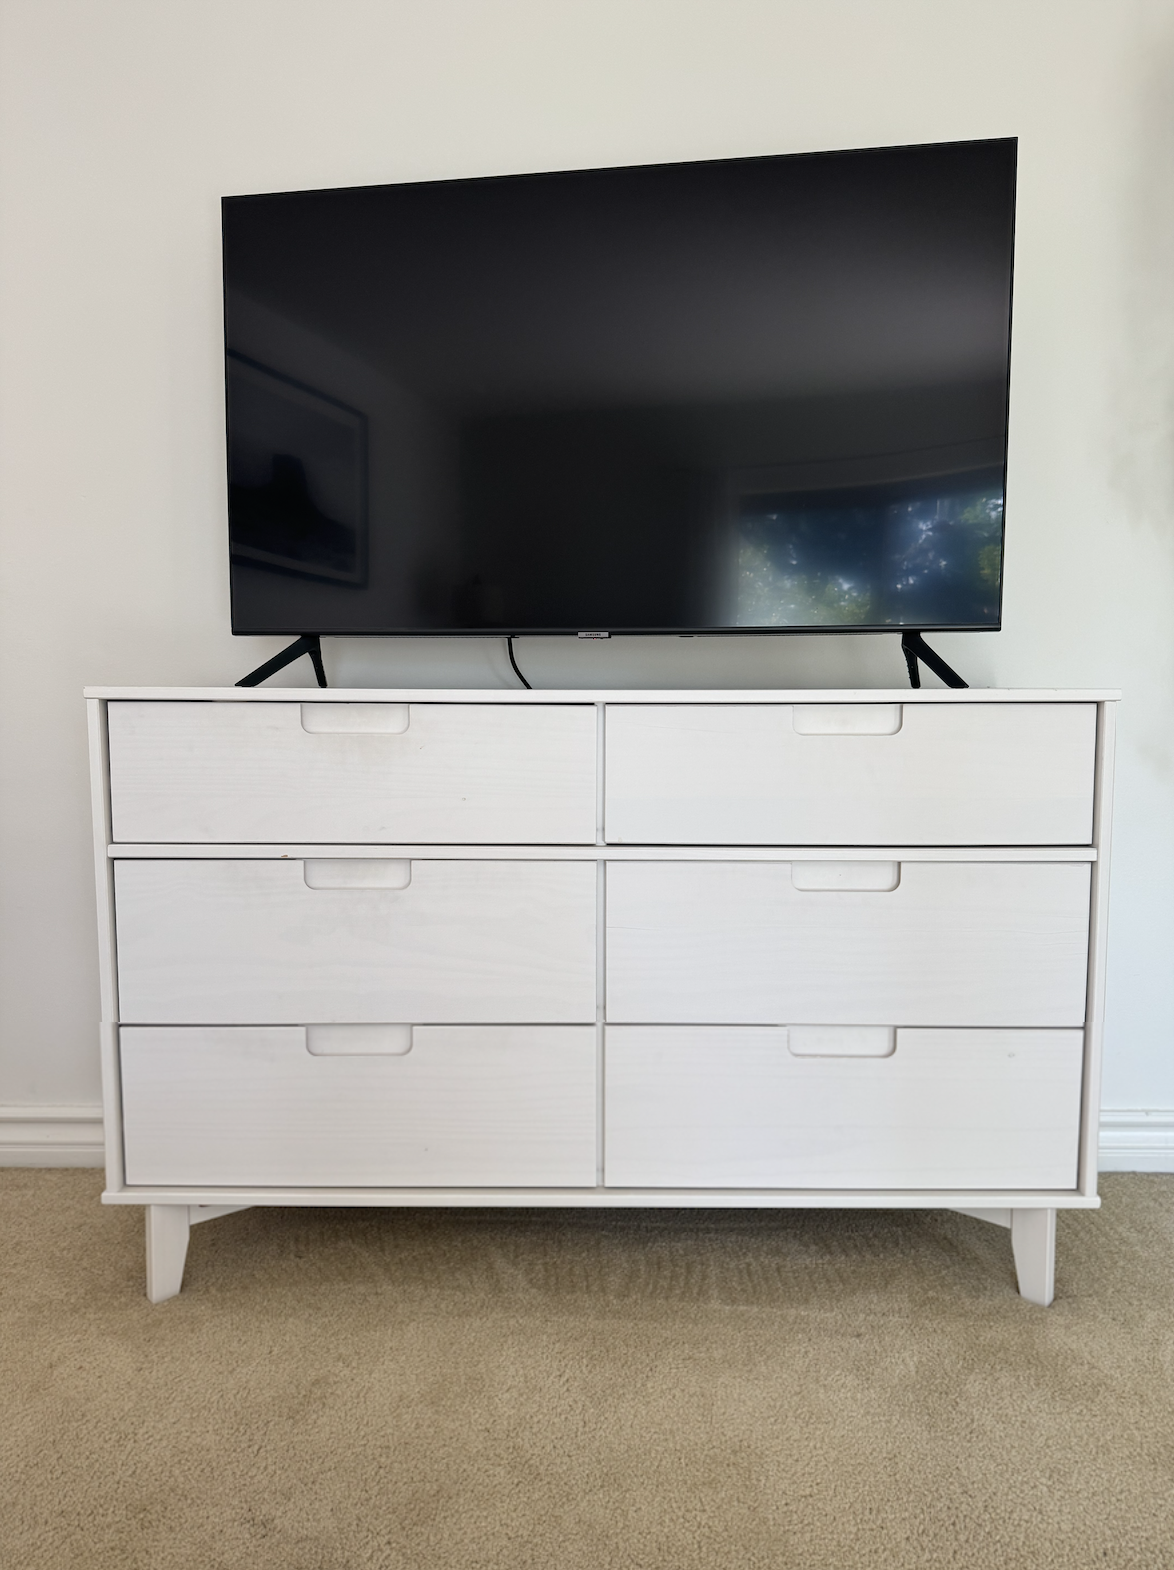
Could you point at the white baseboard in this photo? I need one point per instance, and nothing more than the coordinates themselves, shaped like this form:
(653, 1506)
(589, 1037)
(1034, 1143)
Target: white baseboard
(51, 1137)
(1137, 1141)
(1131, 1141)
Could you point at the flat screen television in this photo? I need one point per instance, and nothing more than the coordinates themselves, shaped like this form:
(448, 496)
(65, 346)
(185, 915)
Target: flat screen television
(740, 396)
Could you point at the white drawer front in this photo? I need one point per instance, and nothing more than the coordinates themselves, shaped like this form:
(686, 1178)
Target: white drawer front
(735, 1108)
(363, 773)
(465, 1105)
(436, 942)
(850, 774)
(953, 943)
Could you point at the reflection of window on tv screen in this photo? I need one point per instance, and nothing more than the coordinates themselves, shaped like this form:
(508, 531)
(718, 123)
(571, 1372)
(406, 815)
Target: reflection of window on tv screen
(882, 558)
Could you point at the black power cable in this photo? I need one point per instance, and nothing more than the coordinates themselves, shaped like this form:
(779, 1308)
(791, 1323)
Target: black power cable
(509, 643)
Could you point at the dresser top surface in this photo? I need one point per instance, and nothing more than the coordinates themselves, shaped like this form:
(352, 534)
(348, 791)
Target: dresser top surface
(603, 695)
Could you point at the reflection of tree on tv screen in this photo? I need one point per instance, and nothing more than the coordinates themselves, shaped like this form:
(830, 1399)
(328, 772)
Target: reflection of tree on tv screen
(873, 558)
(281, 519)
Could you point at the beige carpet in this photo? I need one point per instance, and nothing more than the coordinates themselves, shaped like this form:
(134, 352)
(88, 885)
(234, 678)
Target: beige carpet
(462, 1390)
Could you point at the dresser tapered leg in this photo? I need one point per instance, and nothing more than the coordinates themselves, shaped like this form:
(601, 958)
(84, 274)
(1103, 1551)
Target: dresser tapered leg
(1033, 1242)
(168, 1229)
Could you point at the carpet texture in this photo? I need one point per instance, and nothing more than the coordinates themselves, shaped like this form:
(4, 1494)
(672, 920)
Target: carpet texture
(432, 1390)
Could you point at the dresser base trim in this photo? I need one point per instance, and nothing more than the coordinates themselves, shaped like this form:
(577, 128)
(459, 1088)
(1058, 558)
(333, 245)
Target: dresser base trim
(611, 1198)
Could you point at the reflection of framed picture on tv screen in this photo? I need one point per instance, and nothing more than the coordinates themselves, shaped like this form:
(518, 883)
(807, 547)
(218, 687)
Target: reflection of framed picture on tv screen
(297, 477)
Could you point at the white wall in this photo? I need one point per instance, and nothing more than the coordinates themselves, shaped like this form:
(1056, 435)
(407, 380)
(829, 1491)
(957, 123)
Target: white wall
(125, 121)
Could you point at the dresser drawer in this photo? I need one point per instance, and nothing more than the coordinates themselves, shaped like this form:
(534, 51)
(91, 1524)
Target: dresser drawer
(437, 1106)
(945, 943)
(362, 773)
(850, 774)
(948, 1109)
(288, 941)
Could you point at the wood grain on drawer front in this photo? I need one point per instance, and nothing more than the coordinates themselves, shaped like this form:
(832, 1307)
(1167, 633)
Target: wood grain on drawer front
(250, 942)
(464, 1106)
(953, 943)
(733, 1108)
(417, 773)
(794, 774)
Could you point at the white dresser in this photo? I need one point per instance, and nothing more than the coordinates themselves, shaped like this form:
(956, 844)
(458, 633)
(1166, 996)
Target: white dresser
(601, 948)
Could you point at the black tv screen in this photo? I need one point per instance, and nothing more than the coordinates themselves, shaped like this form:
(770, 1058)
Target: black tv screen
(745, 395)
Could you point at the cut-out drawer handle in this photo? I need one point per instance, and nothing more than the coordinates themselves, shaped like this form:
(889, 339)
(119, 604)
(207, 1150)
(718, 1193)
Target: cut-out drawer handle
(858, 877)
(342, 1041)
(846, 719)
(357, 873)
(354, 719)
(841, 1041)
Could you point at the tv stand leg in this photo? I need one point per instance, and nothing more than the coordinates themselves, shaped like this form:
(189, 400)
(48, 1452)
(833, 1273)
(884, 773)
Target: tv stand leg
(309, 643)
(911, 664)
(914, 648)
